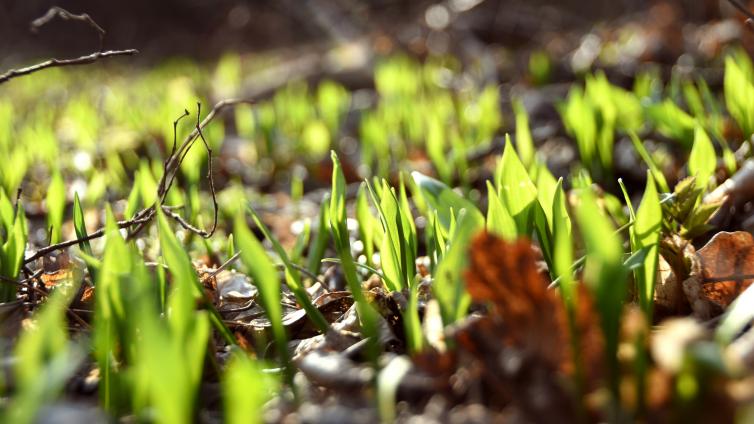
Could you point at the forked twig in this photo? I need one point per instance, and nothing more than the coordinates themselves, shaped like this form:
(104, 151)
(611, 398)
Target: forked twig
(82, 60)
(171, 166)
(209, 173)
(65, 15)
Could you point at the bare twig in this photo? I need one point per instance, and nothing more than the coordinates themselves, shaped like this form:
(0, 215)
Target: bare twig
(66, 15)
(97, 234)
(224, 265)
(82, 60)
(745, 11)
(33, 291)
(171, 167)
(173, 162)
(175, 136)
(209, 172)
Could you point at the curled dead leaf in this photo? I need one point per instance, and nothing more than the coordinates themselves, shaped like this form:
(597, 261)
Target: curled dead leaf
(506, 274)
(531, 322)
(724, 268)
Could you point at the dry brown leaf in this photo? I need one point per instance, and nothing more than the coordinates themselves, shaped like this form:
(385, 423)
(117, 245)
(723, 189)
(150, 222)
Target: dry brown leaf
(58, 269)
(724, 268)
(87, 294)
(506, 275)
(677, 257)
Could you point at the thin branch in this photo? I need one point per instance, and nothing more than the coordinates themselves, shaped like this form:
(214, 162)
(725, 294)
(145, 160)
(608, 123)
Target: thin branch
(172, 151)
(82, 60)
(56, 11)
(744, 10)
(209, 172)
(741, 8)
(97, 234)
(144, 216)
(174, 160)
(187, 225)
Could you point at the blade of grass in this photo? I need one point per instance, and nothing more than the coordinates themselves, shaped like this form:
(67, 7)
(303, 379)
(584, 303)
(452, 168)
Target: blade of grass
(265, 277)
(293, 277)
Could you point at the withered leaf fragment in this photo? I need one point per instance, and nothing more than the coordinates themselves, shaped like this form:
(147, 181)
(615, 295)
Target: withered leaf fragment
(506, 275)
(724, 269)
(524, 346)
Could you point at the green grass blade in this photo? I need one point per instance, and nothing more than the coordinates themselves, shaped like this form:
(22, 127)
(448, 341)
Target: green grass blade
(55, 206)
(265, 277)
(321, 237)
(605, 275)
(449, 287)
(515, 188)
(647, 158)
(187, 288)
(443, 199)
(80, 227)
(645, 234)
(339, 230)
(702, 160)
(246, 390)
(293, 277)
(499, 221)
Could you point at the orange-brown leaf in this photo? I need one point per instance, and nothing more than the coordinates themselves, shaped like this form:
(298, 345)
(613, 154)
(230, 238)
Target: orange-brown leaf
(506, 274)
(727, 265)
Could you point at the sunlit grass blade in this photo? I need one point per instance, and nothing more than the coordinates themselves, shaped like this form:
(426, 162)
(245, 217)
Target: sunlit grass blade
(524, 141)
(387, 387)
(55, 206)
(645, 233)
(739, 95)
(443, 199)
(515, 188)
(647, 158)
(319, 242)
(46, 359)
(246, 389)
(398, 246)
(13, 247)
(111, 304)
(605, 275)
(702, 160)
(366, 223)
(546, 185)
(186, 286)
(449, 287)
(563, 256)
(339, 230)
(499, 221)
(293, 277)
(411, 322)
(79, 225)
(265, 277)
(302, 240)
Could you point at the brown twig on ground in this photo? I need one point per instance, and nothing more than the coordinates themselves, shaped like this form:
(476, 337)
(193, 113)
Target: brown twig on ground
(29, 284)
(82, 60)
(138, 219)
(171, 166)
(745, 11)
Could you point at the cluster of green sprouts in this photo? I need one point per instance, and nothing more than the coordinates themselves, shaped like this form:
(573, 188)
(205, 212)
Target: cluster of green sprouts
(152, 334)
